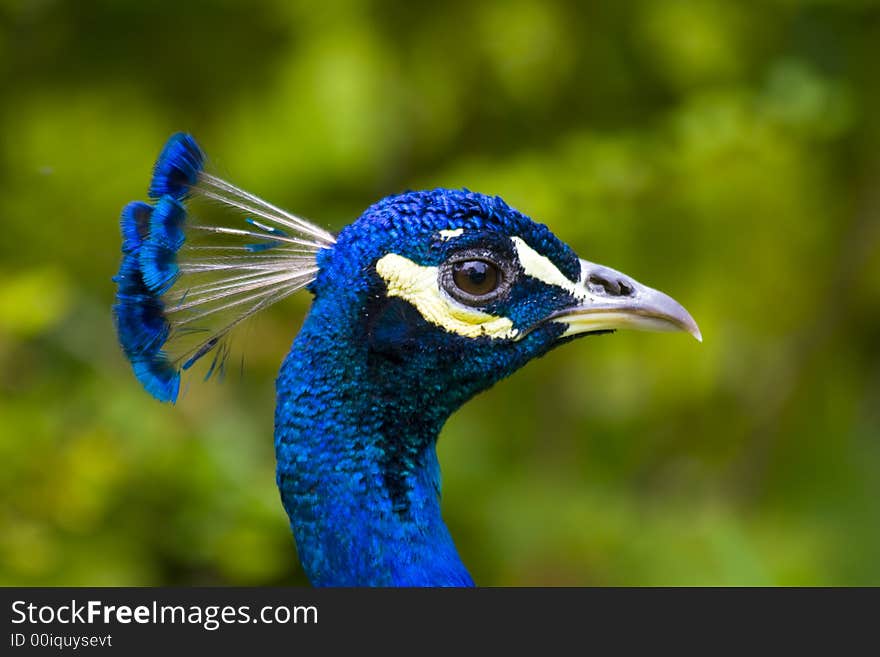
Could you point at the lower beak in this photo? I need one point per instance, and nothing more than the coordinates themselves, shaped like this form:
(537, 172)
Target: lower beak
(611, 300)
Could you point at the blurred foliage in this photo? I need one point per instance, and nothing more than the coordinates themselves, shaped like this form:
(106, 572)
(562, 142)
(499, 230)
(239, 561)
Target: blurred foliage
(727, 152)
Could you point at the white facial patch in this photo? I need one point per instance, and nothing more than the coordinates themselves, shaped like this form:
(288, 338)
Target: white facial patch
(449, 234)
(539, 266)
(419, 285)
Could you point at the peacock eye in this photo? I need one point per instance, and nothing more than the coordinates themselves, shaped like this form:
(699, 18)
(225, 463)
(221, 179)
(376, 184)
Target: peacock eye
(476, 277)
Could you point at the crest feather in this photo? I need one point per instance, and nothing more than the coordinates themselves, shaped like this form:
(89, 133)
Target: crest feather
(184, 285)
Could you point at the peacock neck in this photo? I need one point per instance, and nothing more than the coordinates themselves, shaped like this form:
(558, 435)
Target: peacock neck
(357, 467)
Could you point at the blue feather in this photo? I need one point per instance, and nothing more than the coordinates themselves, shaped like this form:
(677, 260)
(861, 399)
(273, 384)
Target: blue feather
(128, 279)
(135, 225)
(140, 324)
(159, 267)
(142, 330)
(158, 255)
(177, 168)
(158, 376)
(153, 330)
(166, 224)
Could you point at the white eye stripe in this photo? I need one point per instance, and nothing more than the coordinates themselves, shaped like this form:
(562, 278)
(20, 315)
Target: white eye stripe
(419, 285)
(539, 266)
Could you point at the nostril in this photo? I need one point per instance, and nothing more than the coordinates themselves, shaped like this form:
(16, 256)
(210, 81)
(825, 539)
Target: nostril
(603, 285)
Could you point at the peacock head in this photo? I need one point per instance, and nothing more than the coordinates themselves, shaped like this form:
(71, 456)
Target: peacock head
(446, 288)
(458, 289)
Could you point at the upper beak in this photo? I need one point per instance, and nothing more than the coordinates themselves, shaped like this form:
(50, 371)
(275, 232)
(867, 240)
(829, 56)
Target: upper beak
(609, 299)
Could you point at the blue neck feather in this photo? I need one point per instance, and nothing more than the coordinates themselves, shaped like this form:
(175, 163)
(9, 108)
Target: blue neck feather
(357, 467)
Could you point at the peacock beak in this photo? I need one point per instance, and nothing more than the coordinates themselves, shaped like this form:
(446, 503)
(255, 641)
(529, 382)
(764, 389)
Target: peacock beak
(610, 300)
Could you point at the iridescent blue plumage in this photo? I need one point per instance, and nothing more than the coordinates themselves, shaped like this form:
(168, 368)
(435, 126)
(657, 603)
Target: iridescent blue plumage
(163, 331)
(142, 330)
(177, 168)
(166, 224)
(140, 323)
(151, 237)
(135, 225)
(158, 267)
(158, 253)
(425, 300)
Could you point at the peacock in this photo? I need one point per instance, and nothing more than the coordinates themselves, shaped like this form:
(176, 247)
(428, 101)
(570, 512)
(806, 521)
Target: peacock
(426, 299)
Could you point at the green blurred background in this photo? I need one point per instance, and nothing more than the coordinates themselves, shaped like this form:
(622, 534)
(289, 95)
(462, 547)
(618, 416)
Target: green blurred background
(725, 152)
